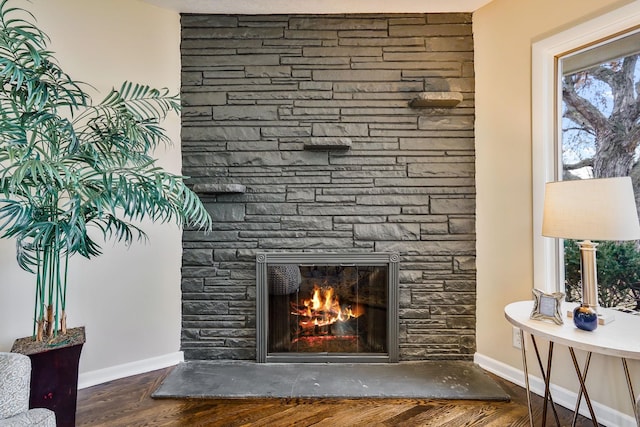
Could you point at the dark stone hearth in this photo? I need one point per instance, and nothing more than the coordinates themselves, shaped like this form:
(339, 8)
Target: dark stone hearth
(419, 380)
(311, 115)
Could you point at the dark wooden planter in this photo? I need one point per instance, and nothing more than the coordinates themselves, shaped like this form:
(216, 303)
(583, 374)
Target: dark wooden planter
(54, 374)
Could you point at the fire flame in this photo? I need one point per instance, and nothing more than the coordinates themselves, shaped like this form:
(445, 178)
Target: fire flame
(323, 309)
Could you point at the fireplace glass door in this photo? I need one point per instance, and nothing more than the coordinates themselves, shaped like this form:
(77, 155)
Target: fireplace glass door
(324, 310)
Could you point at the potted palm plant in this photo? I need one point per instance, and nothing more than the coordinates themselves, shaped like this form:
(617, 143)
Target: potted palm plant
(73, 173)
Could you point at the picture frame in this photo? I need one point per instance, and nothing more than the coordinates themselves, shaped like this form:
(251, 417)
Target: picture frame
(547, 306)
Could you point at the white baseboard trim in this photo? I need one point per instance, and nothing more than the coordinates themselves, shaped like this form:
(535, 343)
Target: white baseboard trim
(91, 378)
(606, 415)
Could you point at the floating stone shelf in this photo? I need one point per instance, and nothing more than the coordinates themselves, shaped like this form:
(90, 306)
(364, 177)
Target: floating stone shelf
(328, 144)
(219, 188)
(436, 99)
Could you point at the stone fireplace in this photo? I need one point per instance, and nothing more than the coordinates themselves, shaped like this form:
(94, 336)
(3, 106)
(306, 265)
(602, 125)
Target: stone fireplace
(321, 307)
(341, 134)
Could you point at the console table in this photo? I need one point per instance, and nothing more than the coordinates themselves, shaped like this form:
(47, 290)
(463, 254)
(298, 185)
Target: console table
(617, 339)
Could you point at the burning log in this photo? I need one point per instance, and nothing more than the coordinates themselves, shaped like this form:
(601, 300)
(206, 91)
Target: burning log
(323, 309)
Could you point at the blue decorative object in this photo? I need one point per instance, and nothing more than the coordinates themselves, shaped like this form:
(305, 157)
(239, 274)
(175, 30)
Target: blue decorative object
(585, 317)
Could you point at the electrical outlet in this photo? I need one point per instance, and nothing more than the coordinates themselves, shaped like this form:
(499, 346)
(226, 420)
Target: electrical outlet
(516, 337)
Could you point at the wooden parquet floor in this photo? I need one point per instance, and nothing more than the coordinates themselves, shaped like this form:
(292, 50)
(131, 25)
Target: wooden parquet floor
(128, 402)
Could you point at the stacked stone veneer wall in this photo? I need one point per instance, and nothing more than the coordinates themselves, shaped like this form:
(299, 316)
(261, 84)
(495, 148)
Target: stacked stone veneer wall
(311, 115)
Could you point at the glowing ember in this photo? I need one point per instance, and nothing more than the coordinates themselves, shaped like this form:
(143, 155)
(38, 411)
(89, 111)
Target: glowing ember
(323, 309)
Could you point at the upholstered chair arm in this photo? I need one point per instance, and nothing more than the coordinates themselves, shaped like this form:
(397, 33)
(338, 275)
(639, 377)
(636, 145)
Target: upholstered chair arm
(15, 385)
(15, 376)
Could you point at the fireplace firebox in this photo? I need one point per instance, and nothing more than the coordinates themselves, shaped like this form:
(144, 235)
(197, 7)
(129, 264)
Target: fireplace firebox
(325, 307)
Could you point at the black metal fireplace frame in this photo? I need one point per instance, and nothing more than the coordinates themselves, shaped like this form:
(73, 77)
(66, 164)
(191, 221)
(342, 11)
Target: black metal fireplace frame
(326, 258)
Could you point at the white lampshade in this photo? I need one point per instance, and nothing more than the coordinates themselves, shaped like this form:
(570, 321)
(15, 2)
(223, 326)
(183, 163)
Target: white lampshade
(591, 209)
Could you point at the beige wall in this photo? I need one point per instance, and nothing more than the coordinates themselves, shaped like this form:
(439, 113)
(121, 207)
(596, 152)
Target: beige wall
(504, 31)
(128, 300)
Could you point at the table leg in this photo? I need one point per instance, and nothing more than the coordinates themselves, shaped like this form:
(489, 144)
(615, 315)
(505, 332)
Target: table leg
(630, 386)
(526, 376)
(584, 377)
(583, 387)
(547, 380)
(546, 375)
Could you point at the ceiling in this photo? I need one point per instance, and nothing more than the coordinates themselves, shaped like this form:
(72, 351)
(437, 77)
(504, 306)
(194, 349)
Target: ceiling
(260, 7)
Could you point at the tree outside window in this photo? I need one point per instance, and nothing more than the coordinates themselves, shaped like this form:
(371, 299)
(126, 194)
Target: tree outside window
(601, 139)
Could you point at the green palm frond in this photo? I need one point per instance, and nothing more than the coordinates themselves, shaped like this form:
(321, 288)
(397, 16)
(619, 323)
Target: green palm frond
(143, 101)
(14, 216)
(128, 119)
(120, 230)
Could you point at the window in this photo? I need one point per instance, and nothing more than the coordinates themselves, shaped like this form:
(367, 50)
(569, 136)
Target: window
(600, 138)
(560, 145)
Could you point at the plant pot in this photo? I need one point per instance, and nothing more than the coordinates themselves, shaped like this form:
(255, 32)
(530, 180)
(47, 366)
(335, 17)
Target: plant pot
(54, 373)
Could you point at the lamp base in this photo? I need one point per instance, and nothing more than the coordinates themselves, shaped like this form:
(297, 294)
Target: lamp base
(585, 317)
(603, 317)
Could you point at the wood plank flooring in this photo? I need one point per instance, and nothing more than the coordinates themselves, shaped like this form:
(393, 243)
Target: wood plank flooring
(128, 402)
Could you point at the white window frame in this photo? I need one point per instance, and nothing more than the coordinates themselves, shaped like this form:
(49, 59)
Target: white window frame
(545, 132)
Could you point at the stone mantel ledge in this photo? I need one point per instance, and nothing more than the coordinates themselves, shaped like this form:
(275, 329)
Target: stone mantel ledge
(219, 188)
(436, 99)
(328, 143)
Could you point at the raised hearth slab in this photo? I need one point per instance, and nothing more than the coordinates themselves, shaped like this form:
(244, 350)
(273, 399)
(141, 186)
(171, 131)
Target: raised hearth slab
(421, 380)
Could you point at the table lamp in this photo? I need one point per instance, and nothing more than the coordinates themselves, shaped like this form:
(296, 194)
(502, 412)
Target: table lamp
(586, 210)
